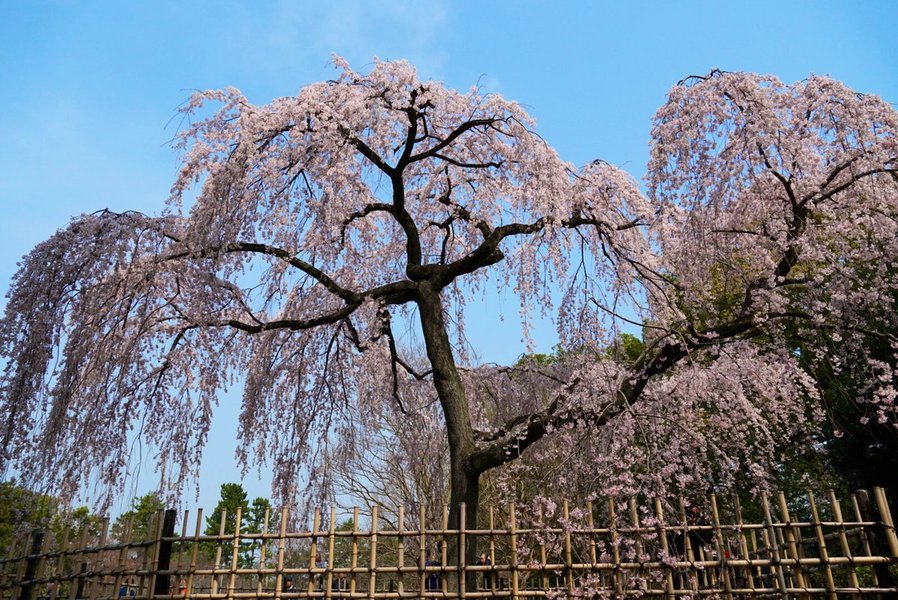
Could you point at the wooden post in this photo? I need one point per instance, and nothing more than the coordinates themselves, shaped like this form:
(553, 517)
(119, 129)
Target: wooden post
(32, 564)
(688, 553)
(885, 513)
(282, 542)
(792, 535)
(640, 546)
(615, 548)
(154, 556)
(217, 565)
(355, 550)
(721, 548)
(313, 554)
(772, 546)
(162, 584)
(194, 551)
(568, 550)
(665, 549)
(743, 544)
(513, 539)
(400, 552)
(331, 534)
(60, 563)
(444, 551)
(843, 537)
(76, 589)
(494, 575)
(372, 563)
(263, 547)
(821, 545)
(98, 558)
(235, 554)
(422, 552)
(462, 566)
(543, 559)
(877, 545)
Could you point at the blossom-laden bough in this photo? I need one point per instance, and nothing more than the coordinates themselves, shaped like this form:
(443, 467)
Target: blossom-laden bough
(322, 218)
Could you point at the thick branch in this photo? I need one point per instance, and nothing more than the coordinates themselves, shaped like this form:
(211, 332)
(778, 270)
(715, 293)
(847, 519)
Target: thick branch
(466, 126)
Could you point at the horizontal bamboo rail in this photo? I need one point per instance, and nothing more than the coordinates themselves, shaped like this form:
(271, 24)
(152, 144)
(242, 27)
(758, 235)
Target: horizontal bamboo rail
(811, 547)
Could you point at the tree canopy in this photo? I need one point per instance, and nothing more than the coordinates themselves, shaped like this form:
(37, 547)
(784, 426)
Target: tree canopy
(769, 217)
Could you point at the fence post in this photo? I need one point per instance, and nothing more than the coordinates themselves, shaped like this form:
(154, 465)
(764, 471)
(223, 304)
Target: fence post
(462, 552)
(885, 514)
(513, 540)
(33, 561)
(772, 546)
(372, 555)
(163, 563)
(877, 547)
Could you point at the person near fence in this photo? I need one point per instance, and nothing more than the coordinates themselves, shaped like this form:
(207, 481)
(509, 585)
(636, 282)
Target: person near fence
(340, 583)
(319, 578)
(698, 537)
(432, 582)
(289, 586)
(180, 590)
(485, 561)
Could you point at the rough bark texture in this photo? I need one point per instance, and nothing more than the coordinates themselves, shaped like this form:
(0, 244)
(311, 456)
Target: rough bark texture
(464, 481)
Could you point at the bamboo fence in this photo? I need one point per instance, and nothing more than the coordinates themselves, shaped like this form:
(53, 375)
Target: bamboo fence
(804, 548)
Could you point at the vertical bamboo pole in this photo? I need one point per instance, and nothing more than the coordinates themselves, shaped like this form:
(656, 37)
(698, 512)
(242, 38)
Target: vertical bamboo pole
(876, 544)
(156, 549)
(688, 553)
(885, 514)
(640, 547)
(235, 554)
(743, 544)
(7, 580)
(400, 552)
(263, 547)
(180, 558)
(843, 537)
(770, 542)
(98, 560)
(314, 576)
(331, 534)
(194, 550)
(721, 548)
(543, 560)
(665, 549)
(355, 549)
(20, 567)
(821, 545)
(119, 563)
(217, 565)
(615, 548)
(372, 563)
(422, 551)
(568, 550)
(859, 518)
(513, 540)
(282, 544)
(462, 553)
(444, 551)
(590, 523)
(146, 562)
(33, 558)
(793, 535)
(494, 575)
(60, 563)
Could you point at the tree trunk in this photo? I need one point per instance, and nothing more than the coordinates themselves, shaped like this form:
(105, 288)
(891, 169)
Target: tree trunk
(464, 481)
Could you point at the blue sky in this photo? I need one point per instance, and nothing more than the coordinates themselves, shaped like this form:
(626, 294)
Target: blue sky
(89, 90)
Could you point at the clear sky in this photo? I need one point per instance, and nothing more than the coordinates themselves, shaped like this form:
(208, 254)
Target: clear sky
(88, 92)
